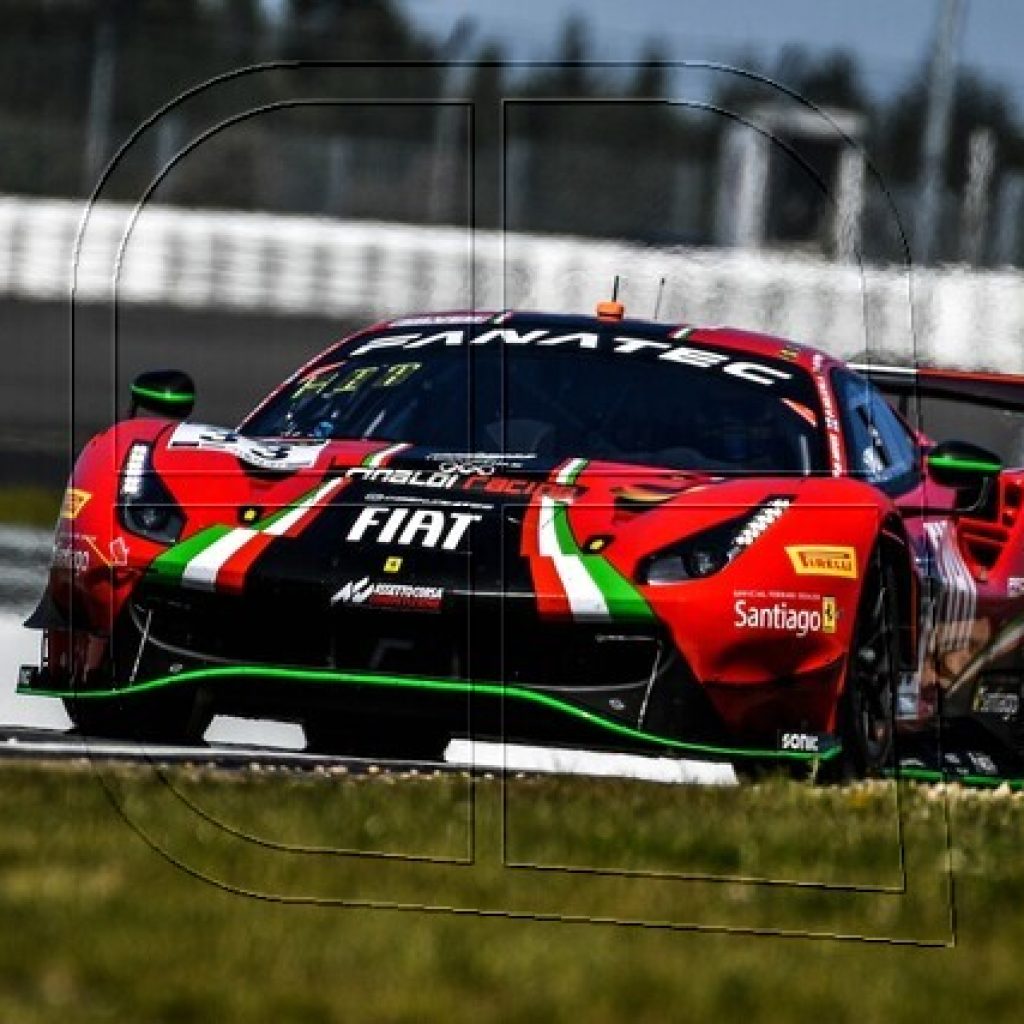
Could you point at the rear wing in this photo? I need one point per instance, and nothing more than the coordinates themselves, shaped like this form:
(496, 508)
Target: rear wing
(1004, 391)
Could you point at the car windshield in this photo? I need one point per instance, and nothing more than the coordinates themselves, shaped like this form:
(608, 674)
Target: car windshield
(604, 395)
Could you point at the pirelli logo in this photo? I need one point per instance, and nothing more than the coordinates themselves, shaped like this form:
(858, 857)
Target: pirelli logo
(823, 560)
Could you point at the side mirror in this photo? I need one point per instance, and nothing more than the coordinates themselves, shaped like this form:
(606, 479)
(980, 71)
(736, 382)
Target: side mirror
(169, 393)
(968, 468)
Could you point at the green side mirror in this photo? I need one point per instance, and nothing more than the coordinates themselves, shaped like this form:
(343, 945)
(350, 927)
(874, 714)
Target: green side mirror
(968, 468)
(962, 464)
(169, 393)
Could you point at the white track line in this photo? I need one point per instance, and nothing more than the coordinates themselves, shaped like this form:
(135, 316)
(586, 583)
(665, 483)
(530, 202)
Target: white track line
(563, 761)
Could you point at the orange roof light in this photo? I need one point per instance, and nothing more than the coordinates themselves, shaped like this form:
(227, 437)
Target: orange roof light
(611, 309)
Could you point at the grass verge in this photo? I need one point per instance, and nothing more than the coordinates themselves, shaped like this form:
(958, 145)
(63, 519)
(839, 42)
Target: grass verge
(100, 926)
(29, 506)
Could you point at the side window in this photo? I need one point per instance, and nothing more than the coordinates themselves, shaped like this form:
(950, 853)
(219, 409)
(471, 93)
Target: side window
(879, 447)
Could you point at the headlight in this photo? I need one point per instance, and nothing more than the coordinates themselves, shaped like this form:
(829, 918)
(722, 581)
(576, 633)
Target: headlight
(145, 505)
(712, 550)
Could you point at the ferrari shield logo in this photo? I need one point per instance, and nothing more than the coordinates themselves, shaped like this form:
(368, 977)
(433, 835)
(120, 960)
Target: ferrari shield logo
(829, 616)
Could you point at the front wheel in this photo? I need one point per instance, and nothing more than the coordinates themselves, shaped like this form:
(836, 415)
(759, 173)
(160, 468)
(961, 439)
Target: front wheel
(867, 707)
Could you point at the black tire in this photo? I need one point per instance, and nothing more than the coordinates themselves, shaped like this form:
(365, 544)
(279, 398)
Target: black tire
(170, 717)
(867, 707)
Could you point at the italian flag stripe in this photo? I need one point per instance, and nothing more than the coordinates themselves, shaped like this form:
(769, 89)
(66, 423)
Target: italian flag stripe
(220, 556)
(623, 599)
(381, 458)
(595, 589)
(170, 566)
(201, 571)
(231, 575)
(557, 543)
(569, 471)
(547, 584)
(293, 521)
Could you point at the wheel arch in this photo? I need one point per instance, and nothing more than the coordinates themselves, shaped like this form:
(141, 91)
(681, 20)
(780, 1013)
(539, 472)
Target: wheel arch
(893, 546)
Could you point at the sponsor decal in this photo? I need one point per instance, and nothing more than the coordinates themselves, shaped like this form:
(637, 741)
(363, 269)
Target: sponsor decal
(75, 553)
(70, 558)
(284, 456)
(1015, 586)
(424, 478)
(975, 762)
(468, 468)
(668, 351)
(116, 555)
(117, 549)
(997, 700)
(393, 563)
(835, 440)
(823, 560)
(805, 742)
(424, 527)
(389, 595)
(510, 460)
(445, 479)
(335, 379)
(829, 615)
(440, 318)
(784, 616)
(426, 499)
(982, 763)
(74, 501)
(789, 352)
(517, 487)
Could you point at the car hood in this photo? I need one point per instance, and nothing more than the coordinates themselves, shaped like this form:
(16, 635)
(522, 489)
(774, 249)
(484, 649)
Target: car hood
(394, 525)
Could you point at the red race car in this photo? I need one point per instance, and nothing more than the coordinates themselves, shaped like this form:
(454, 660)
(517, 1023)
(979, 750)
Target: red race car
(612, 531)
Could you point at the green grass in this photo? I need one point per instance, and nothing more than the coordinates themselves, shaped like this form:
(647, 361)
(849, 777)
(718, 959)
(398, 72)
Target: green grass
(29, 506)
(99, 926)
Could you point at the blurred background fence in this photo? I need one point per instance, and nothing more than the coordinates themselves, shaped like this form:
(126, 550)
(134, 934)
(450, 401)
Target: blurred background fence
(348, 269)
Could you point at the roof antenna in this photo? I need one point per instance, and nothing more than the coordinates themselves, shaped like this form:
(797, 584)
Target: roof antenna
(657, 301)
(612, 309)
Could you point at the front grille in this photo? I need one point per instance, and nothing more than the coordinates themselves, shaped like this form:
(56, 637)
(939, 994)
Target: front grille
(482, 639)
